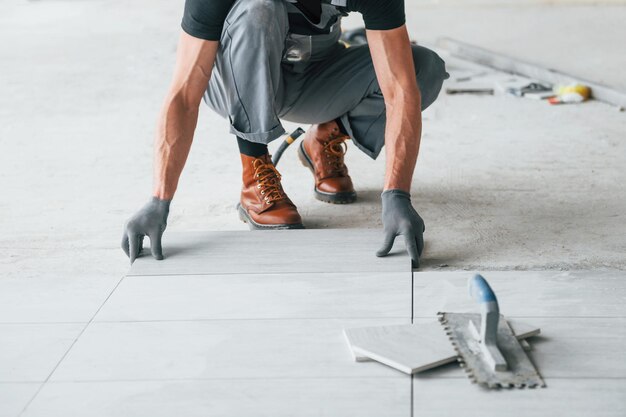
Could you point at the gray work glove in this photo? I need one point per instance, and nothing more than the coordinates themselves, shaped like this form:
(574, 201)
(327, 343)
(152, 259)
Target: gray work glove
(150, 221)
(400, 218)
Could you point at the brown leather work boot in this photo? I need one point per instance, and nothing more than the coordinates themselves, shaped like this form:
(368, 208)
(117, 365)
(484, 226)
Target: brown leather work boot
(322, 151)
(264, 205)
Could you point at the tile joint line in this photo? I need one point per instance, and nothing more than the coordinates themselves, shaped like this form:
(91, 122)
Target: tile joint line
(70, 347)
(411, 396)
(412, 294)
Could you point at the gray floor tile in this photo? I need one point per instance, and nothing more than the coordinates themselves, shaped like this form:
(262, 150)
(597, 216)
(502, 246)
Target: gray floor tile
(47, 299)
(527, 293)
(245, 397)
(288, 296)
(279, 251)
(580, 347)
(29, 352)
(14, 396)
(218, 349)
(562, 397)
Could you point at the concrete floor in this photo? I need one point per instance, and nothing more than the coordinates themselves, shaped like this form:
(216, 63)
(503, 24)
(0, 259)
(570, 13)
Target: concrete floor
(502, 183)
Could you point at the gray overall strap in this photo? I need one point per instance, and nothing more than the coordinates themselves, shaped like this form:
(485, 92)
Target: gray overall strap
(303, 48)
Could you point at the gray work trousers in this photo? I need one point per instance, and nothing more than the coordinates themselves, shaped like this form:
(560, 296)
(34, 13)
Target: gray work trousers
(254, 85)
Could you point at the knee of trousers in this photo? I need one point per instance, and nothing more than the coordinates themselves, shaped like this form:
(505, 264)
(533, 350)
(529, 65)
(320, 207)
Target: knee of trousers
(259, 16)
(255, 32)
(430, 71)
(246, 84)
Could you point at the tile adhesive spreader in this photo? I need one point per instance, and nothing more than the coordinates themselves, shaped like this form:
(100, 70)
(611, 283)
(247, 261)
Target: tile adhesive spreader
(490, 349)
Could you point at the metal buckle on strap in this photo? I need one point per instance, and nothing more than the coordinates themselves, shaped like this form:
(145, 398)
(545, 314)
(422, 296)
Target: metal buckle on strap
(298, 48)
(340, 3)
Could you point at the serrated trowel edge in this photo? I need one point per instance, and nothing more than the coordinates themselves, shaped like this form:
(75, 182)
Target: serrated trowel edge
(469, 372)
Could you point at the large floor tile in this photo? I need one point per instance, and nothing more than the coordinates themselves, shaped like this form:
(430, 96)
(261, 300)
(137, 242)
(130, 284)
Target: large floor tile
(245, 397)
(257, 296)
(527, 293)
(580, 347)
(568, 348)
(15, 395)
(29, 352)
(278, 251)
(46, 299)
(562, 397)
(218, 349)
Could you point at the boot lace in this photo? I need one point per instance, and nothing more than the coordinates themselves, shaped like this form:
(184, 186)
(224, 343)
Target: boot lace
(268, 181)
(335, 149)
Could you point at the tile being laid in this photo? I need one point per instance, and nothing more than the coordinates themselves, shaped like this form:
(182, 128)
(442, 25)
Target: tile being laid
(278, 251)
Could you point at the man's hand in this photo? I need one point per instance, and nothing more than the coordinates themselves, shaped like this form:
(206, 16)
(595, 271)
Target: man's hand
(194, 63)
(400, 218)
(395, 70)
(150, 221)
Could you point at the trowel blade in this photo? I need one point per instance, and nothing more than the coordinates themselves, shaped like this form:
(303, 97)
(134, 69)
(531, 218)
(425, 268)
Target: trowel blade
(521, 371)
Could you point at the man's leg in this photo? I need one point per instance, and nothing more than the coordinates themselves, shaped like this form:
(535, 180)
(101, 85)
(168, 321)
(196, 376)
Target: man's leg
(246, 84)
(246, 87)
(322, 151)
(345, 88)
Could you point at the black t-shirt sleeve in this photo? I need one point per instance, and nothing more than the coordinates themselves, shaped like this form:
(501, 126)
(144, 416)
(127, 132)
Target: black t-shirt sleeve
(204, 19)
(380, 14)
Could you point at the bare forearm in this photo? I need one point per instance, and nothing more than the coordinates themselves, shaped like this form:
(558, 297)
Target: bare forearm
(395, 71)
(402, 139)
(179, 116)
(177, 124)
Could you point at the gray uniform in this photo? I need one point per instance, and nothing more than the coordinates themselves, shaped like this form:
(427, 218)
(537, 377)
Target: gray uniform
(264, 72)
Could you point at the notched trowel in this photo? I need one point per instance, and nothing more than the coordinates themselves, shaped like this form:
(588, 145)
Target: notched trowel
(490, 349)
(487, 348)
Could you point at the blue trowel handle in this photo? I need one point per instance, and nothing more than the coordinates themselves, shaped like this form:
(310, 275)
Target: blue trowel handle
(482, 293)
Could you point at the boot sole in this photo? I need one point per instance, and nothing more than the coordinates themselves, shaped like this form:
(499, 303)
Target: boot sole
(332, 198)
(245, 217)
